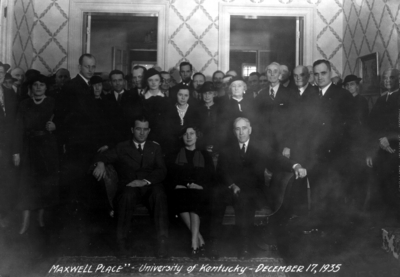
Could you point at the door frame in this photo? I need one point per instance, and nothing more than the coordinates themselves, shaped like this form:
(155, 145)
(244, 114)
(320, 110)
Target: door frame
(226, 10)
(76, 24)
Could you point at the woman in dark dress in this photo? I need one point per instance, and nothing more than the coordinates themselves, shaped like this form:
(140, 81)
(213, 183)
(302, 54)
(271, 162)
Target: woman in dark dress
(36, 148)
(155, 107)
(208, 113)
(191, 175)
(181, 114)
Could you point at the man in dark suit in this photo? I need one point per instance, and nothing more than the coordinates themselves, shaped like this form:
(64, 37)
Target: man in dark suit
(8, 108)
(384, 156)
(303, 120)
(333, 115)
(274, 105)
(141, 171)
(240, 168)
(185, 71)
(122, 106)
(138, 72)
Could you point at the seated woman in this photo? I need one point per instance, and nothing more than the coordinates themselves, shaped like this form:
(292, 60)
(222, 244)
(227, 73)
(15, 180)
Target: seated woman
(35, 148)
(181, 114)
(191, 174)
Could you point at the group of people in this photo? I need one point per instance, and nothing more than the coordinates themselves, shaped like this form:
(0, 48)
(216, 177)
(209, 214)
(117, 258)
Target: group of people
(195, 147)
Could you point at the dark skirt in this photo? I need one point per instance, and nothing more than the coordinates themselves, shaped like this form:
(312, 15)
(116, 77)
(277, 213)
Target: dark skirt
(190, 200)
(39, 173)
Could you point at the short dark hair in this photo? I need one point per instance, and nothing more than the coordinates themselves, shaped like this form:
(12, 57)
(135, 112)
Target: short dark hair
(136, 67)
(216, 72)
(140, 118)
(199, 134)
(326, 62)
(199, 73)
(255, 74)
(87, 55)
(185, 64)
(116, 72)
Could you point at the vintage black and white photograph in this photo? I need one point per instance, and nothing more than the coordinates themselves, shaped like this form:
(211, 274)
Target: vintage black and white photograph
(199, 138)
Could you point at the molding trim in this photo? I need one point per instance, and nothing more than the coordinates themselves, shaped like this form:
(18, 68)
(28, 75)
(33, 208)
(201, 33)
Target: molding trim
(262, 9)
(75, 33)
(6, 32)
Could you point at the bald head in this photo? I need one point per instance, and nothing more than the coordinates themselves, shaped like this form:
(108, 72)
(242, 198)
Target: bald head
(391, 79)
(301, 76)
(19, 74)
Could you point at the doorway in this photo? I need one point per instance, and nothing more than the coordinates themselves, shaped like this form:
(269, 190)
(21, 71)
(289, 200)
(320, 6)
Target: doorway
(303, 33)
(256, 41)
(118, 40)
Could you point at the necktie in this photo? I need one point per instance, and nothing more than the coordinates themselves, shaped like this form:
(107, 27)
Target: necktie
(119, 98)
(320, 93)
(271, 94)
(243, 151)
(140, 149)
(299, 92)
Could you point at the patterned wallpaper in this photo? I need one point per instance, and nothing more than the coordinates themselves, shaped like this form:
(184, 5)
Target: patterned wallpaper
(371, 26)
(40, 32)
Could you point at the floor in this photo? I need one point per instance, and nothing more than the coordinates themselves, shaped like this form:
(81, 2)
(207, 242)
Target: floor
(357, 248)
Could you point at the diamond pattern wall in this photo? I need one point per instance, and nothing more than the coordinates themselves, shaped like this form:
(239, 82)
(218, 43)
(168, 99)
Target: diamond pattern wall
(371, 26)
(41, 30)
(40, 34)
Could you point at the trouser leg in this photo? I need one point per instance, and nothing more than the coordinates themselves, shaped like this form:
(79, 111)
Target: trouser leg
(157, 203)
(126, 202)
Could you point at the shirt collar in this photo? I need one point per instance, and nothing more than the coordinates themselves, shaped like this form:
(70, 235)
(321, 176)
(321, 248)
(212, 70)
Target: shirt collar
(275, 88)
(237, 99)
(324, 89)
(246, 144)
(116, 93)
(136, 144)
(390, 92)
(86, 80)
(303, 89)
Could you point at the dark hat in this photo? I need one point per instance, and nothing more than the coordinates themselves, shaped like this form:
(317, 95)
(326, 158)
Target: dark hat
(95, 80)
(39, 78)
(6, 66)
(207, 86)
(29, 75)
(234, 79)
(151, 72)
(9, 77)
(350, 78)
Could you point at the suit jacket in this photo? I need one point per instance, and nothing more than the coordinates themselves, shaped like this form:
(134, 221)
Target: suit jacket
(71, 97)
(122, 114)
(248, 172)
(131, 165)
(275, 115)
(303, 119)
(7, 118)
(333, 116)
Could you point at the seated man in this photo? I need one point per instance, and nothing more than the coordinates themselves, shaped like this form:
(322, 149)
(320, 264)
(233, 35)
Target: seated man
(141, 171)
(240, 171)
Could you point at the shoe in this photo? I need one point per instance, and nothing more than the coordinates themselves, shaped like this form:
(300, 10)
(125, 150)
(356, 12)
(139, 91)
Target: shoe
(162, 251)
(202, 251)
(194, 254)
